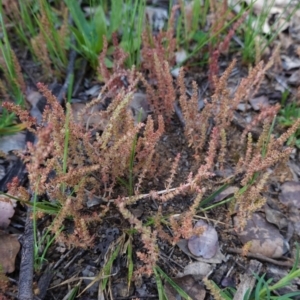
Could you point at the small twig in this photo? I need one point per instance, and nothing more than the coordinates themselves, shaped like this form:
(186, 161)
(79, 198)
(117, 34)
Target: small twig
(78, 254)
(70, 72)
(80, 77)
(26, 268)
(167, 259)
(44, 281)
(62, 258)
(261, 257)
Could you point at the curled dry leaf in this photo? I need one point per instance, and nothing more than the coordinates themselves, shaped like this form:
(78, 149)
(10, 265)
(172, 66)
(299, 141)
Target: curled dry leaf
(290, 194)
(289, 63)
(33, 98)
(259, 103)
(6, 211)
(275, 217)
(294, 79)
(9, 248)
(139, 107)
(226, 193)
(290, 197)
(205, 245)
(265, 238)
(91, 117)
(197, 269)
(294, 217)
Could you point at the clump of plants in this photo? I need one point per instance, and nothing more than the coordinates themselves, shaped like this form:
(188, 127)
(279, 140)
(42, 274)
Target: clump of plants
(69, 164)
(73, 161)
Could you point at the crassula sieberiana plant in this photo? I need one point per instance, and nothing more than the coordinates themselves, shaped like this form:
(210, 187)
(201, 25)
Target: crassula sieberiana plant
(95, 163)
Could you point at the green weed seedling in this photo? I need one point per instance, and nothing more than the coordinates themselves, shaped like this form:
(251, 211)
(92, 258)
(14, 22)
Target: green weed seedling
(43, 206)
(190, 25)
(127, 248)
(264, 290)
(25, 25)
(160, 275)
(133, 17)
(129, 184)
(199, 37)
(41, 245)
(287, 116)
(47, 239)
(106, 272)
(255, 33)
(89, 33)
(13, 78)
(57, 44)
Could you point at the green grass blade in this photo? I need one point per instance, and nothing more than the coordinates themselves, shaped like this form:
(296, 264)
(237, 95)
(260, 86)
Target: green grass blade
(177, 288)
(115, 16)
(214, 194)
(44, 206)
(107, 268)
(129, 262)
(160, 288)
(296, 263)
(78, 16)
(260, 283)
(100, 29)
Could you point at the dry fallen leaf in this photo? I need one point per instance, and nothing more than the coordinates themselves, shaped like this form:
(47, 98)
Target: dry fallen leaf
(259, 103)
(205, 245)
(91, 116)
(6, 211)
(276, 217)
(247, 280)
(294, 217)
(290, 197)
(157, 17)
(224, 194)
(15, 141)
(139, 107)
(217, 259)
(33, 98)
(289, 63)
(277, 9)
(197, 269)
(191, 286)
(9, 248)
(294, 79)
(295, 26)
(265, 238)
(290, 194)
